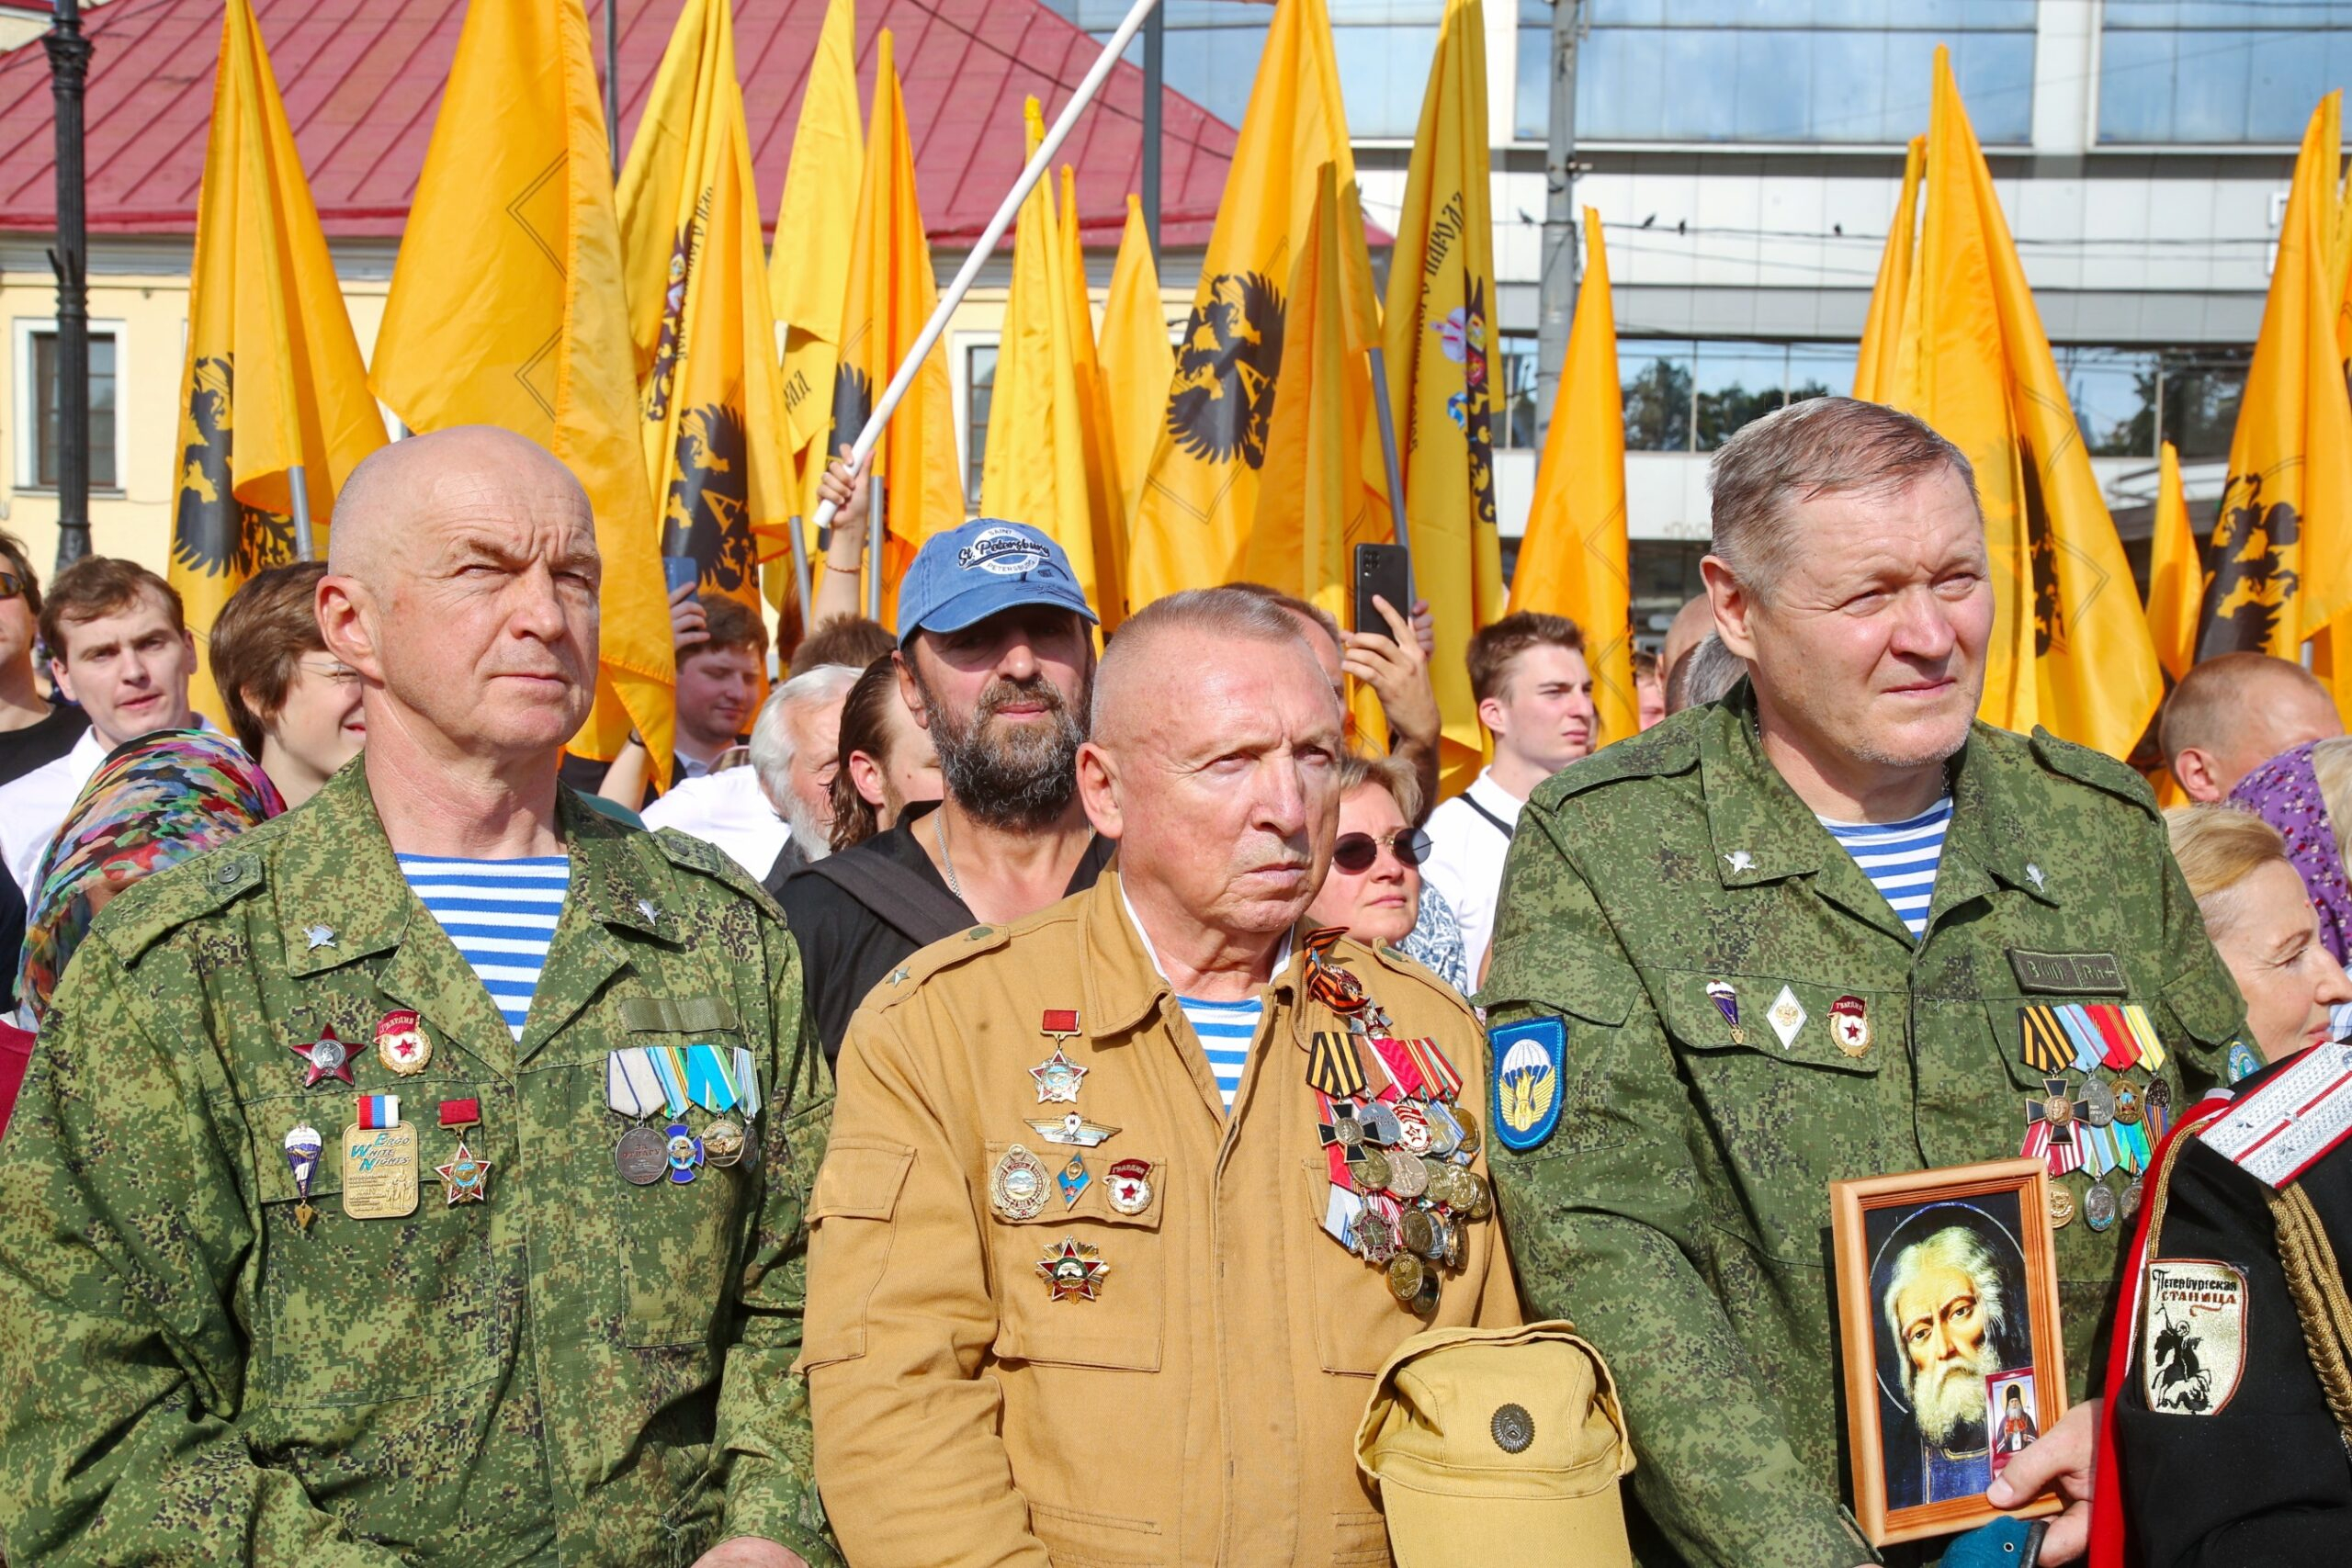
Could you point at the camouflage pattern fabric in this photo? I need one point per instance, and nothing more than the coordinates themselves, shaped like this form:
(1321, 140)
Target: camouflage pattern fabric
(576, 1370)
(1679, 1213)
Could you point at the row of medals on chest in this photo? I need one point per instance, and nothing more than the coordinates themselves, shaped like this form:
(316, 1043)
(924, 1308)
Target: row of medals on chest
(2098, 1103)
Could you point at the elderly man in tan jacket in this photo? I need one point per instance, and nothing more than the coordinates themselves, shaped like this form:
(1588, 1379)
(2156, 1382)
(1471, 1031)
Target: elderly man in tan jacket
(1126, 1204)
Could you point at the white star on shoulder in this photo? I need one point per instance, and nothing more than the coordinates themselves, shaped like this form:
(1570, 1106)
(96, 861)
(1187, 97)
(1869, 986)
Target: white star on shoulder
(318, 937)
(1740, 860)
(645, 906)
(2033, 874)
(899, 976)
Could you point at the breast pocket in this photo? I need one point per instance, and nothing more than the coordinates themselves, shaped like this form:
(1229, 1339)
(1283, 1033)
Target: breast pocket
(682, 1234)
(1357, 1321)
(358, 1312)
(1080, 1283)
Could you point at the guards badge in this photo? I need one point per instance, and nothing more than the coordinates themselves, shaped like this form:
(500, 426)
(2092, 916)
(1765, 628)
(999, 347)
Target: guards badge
(1528, 1057)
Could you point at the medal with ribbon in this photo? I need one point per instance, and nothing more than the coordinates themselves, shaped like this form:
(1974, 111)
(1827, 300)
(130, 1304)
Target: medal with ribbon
(633, 1090)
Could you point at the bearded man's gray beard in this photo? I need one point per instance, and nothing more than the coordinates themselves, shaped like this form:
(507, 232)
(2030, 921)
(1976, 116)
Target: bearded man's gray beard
(1948, 1397)
(1013, 778)
(815, 840)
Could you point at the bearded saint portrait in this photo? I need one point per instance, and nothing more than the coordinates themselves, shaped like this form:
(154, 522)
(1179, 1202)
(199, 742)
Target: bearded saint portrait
(1950, 1286)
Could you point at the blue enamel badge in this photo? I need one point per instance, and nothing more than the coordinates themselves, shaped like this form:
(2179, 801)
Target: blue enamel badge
(1528, 1067)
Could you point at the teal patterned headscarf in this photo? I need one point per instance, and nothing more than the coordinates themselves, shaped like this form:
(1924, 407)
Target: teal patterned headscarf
(157, 800)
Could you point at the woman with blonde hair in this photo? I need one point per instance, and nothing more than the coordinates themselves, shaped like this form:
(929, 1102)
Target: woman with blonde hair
(2251, 892)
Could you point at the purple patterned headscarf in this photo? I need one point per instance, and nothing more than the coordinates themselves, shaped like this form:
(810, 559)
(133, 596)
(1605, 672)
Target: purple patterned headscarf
(2284, 792)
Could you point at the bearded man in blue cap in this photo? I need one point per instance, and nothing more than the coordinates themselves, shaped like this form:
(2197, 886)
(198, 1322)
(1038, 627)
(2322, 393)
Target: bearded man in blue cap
(996, 660)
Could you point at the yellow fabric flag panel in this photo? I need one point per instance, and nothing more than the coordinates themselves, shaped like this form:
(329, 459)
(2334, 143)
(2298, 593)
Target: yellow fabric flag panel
(272, 381)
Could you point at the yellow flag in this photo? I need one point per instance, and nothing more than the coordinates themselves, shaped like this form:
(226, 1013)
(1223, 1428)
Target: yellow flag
(1887, 367)
(808, 267)
(1035, 468)
(1199, 491)
(1103, 486)
(2278, 545)
(274, 380)
(2070, 647)
(507, 307)
(891, 293)
(1136, 356)
(709, 396)
(1572, 562)
(1439, 332)
(2175, 574)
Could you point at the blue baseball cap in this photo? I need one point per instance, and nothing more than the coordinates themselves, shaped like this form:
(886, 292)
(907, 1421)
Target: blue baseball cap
(989, 565)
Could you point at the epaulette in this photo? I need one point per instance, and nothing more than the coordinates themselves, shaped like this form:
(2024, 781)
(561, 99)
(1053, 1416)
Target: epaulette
(2278, 1127)
(946, 953)
(690, 853)
(2096, 769)
(153, 907)
(1664, 749)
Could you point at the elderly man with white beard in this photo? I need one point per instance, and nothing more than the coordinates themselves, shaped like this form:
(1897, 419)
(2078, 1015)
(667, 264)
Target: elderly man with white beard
(1947, 1309)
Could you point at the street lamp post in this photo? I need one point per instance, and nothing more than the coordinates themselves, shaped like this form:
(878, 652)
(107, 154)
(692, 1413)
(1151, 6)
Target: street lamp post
(69, 67)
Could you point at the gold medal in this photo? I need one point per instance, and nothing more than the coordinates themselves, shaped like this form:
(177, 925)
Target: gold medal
(1407, 1177)
(1371, 1170)
(402, 1045)
(1018, 1185)
(1405, 1276)
(2062, 1207)
(380, 1171)
(1418, 1230)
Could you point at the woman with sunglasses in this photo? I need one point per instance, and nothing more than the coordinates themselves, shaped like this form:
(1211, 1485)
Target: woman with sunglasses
(1375, 887)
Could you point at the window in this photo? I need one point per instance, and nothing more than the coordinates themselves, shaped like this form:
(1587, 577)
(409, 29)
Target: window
(38, 423)
(2127, 401)
(1384, 48)
(1685, 395)
(979, 367)
(1513, 417)
(1793, 71)
(2217, 71)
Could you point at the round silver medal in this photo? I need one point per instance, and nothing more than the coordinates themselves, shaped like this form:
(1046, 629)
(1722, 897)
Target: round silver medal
(2099, 1102)
(2099, 1205)
(328, 1055)
(642, 1156)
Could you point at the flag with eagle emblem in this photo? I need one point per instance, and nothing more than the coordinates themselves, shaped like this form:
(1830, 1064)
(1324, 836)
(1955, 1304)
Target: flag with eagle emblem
(507, 307)
(1441, 340)
(1198, 497)
(709, 395)
(2279, 574)
(2070, 648)
(274, 380)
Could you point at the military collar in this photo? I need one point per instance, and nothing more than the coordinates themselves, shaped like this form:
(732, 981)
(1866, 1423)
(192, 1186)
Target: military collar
(341, 895)
(1120, 978)
(1763, 832)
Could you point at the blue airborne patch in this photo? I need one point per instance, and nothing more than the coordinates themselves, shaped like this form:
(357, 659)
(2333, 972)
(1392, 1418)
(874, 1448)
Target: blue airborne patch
(1529, 1059)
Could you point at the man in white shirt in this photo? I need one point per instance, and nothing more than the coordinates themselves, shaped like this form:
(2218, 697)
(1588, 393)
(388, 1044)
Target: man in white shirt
(1534, 695)
(777, 811)
(118, 644)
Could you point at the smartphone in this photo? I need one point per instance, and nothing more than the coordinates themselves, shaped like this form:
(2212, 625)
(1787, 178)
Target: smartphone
(680, 571)
(1386, 571)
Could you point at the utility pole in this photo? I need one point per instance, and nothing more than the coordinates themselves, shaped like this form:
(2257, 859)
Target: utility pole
(1556, 303)
(613, 85)
(68, 67)
(1155, 53)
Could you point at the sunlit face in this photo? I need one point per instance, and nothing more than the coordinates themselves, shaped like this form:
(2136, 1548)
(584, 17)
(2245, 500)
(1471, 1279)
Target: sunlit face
(17, 622)
(320, 727)
(1649, 700)
(1869, 649)
(1544, 712)
(1005, 703)
(1940, 1317)
(482, 638)
(1226, 802)
(718, 688)
(129, 668)
(908, 770)
(816, 757)
(1381, 902)
(2264, 931)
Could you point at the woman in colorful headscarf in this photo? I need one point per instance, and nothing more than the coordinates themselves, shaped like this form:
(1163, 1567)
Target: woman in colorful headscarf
(2306, 794)
(161, 799)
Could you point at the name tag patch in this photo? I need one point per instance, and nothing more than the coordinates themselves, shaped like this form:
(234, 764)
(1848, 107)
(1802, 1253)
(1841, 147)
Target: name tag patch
(2195, 1335)
(2100, 974)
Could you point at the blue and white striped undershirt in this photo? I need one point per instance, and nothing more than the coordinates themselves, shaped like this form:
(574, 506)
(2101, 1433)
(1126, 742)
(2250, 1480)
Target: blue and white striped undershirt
(1225, 1028)
(501, 914)
(1900, 859)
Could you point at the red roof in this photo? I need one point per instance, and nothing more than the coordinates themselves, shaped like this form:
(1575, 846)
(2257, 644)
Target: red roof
(362, 82)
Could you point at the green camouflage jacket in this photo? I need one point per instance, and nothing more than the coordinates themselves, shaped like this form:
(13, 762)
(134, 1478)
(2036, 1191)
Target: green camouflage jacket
(1678, 1209)
(576, 1370)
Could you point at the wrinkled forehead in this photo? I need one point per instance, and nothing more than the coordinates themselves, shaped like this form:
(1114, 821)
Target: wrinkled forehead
(1923, 524)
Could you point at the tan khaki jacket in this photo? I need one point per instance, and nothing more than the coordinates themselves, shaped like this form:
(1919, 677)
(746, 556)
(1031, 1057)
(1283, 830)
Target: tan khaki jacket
(1201, 1409)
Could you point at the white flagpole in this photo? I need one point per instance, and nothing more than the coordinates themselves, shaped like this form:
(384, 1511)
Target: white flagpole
(1030, 173)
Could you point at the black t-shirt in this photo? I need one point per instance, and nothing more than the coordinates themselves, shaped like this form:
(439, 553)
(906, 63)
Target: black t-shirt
(846, 948)
(41, 742)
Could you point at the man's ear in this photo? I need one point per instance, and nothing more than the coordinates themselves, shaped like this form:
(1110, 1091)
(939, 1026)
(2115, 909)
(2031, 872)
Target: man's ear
(902, 661)
(1734, 607)
(345, 629)
(1490, 714)
(2193, 770)
(1098, 790)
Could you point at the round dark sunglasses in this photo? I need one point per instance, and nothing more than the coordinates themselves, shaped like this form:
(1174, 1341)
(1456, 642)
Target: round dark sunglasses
(1354, 853)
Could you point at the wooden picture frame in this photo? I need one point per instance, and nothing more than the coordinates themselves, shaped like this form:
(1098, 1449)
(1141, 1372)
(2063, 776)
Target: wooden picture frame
(1896, 1231)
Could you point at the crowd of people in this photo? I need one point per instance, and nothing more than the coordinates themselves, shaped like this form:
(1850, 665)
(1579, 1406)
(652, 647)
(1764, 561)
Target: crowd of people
(1015, 1094)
